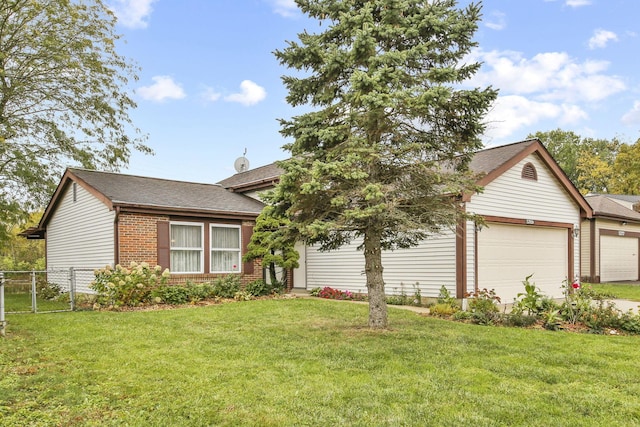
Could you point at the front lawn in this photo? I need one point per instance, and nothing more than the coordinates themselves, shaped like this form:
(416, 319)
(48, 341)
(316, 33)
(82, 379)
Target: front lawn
(307, 362)
(619, 290)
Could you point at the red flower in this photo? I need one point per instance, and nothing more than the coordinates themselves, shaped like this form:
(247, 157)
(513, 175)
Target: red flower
(576, 285)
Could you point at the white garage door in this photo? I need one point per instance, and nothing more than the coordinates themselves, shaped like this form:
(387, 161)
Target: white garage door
(618, 258)
(509, 253)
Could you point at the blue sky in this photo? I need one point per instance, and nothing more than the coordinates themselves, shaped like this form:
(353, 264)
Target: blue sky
(210, 87)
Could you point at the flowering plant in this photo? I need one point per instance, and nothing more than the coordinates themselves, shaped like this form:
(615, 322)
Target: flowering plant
(330, 293)
(122, 286)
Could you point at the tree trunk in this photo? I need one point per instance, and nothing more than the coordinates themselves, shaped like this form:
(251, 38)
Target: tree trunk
(375, 282)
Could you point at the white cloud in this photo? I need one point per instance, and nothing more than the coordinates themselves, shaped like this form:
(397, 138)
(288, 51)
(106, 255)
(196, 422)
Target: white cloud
(286, 8)
(210, 94)
(132, 13)
(632, 117)
(496, 21)
(546, 76)
(578, 3)
(601, 37)
(163, 88)
(250, 94)
(513, 112)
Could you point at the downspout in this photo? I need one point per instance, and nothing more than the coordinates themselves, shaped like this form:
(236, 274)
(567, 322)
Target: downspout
(116, 238)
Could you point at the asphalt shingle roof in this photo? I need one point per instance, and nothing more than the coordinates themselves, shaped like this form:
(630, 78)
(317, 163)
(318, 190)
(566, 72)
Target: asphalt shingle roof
(603, 206)
(264, 174)
(484, 161)
(131, 190)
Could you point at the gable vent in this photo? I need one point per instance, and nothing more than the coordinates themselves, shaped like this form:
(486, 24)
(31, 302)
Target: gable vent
(529, 172)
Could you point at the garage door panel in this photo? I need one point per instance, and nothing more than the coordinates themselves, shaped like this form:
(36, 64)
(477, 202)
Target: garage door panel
(618, 258)
(507, 254)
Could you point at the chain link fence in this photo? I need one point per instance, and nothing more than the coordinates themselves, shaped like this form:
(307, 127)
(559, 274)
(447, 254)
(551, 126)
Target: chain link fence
(44, 291)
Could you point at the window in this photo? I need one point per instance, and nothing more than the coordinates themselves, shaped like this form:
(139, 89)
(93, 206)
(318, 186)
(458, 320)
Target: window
(225, 249)
(529, 172)
(187, 248)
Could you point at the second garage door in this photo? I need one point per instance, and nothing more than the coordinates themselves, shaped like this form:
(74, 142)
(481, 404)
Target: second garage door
(618, 258)
(509, 253)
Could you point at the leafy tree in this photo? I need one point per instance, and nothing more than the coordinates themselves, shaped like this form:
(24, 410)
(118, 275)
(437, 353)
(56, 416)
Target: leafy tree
(20, 254)
(587, 162)
(269, 243)
(386, 150)
(627, 170)
(62, 98)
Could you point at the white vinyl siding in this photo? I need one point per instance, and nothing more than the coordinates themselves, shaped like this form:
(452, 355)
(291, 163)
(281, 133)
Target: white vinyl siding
(511, 196)
(187, 247)
(426, 267)
(225, 249)
(80, 234)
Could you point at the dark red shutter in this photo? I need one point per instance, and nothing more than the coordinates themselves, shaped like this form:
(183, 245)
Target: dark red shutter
(164, 244)
(247, 231)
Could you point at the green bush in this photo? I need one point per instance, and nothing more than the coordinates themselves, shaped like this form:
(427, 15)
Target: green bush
(121, 286)
(519, 319)
(170, 294)
(199, 291)
(442, 310)
(227, 286)
(259, 288)
(47, 290)
(483, 307)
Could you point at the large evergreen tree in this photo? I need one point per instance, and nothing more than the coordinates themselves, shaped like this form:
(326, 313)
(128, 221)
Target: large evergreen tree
(384, 152)
(63, 98)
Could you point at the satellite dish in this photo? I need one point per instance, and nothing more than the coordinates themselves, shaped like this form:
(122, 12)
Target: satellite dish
(241, 164)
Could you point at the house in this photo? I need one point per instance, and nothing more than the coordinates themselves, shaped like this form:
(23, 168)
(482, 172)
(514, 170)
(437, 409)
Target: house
(532, 216)
(198, 231)
(611, 239)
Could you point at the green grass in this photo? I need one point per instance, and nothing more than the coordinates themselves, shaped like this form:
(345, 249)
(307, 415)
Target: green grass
(21, 302)
(307, 362)
(622, 291)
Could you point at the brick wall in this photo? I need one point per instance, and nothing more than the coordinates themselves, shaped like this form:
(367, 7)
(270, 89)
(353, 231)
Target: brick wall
(138, 238)
(138, 242)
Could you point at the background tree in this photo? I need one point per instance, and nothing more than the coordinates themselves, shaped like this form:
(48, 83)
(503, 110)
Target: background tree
(62, 98)
(627, 170)
(269, 243)
(20, 254)
(392, 132)
(587, 162)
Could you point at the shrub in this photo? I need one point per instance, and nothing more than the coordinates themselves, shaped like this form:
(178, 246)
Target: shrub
(242, 296)
(444, 297)
(121, 286)
(442, 310)
(315, 292)
(47, 290)
(199, 291)
(483, 306)
(260, 287)
(227, 286)
(519, 320)
(170, 294)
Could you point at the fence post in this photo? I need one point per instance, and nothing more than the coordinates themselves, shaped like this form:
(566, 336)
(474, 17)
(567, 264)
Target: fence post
(3, 323)
(72, 288)
(34, 301)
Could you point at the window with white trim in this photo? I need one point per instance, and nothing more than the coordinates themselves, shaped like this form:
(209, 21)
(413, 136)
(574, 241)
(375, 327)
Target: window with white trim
(187, 247)
(225, 248)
